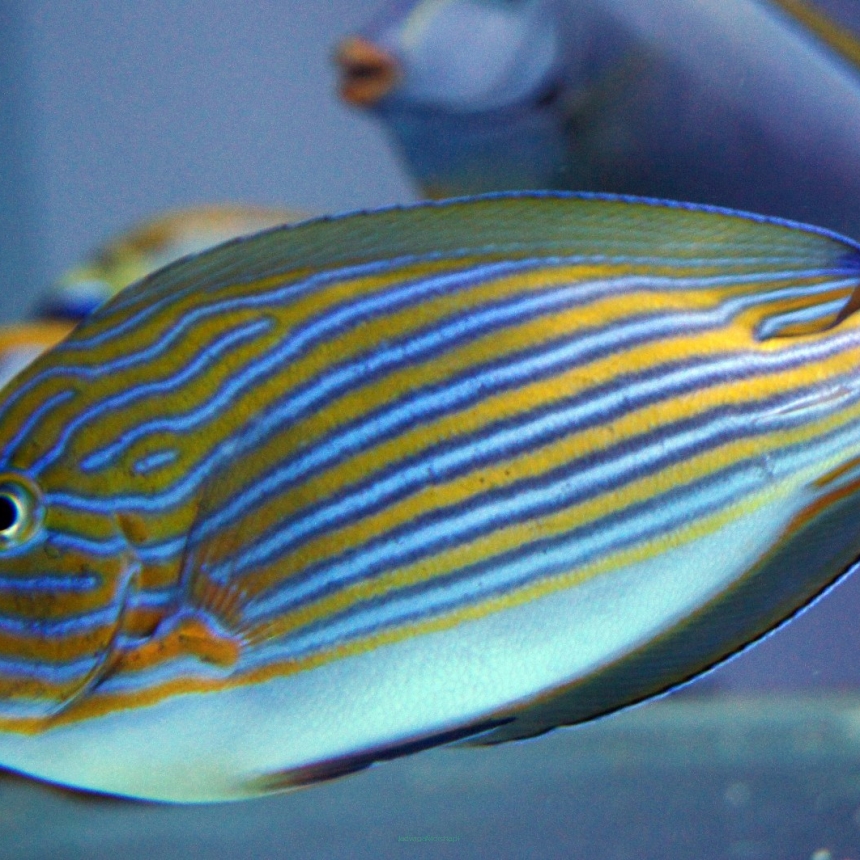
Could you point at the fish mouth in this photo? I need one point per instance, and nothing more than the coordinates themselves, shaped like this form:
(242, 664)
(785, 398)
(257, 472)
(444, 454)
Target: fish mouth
(367, 72)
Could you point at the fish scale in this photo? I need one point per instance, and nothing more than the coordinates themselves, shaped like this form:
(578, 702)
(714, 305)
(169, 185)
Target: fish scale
(560, 446)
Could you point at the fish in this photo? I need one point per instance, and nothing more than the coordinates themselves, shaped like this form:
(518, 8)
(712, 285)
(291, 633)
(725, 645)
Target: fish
(452, 473)
(148, 245)
(744, 104)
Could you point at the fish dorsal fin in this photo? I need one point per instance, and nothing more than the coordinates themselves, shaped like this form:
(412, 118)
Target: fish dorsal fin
(840, 40)
(201, 594)
(591, 227)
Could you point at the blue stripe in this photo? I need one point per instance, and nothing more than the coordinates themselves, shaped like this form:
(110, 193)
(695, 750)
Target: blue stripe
(207, 354)
(300, 342)
(547, 557)
(155, 461)
(408, 292)
(62, 583)
(773, 326)
(537, 561)
(493, 444)
(543, 363)
(61, 626)
(515, 503)
(37, 415)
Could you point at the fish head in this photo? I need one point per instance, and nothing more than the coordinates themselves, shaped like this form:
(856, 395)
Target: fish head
(468, 91)
(67, 566)
(454, 55)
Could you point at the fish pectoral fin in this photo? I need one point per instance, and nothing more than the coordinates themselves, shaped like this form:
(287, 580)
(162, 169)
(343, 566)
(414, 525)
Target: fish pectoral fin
(207, 588)
(187, 635)
(333, 768)
(220, 600)
(199, 637)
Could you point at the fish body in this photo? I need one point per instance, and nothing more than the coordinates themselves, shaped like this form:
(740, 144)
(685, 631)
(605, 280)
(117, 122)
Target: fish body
(727, 103)
(341, 491)
(149, 245)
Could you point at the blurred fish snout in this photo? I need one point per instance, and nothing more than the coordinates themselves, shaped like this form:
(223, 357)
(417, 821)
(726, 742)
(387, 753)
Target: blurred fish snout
(368, 73)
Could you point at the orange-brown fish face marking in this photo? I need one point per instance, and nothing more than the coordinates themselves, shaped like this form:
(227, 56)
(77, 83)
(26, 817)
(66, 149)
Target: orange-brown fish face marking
(62, 602)
(368, 73)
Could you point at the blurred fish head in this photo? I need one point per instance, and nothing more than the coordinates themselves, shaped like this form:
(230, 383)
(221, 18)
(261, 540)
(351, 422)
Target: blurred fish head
(457, 55)
(469, 90)
(66, 573)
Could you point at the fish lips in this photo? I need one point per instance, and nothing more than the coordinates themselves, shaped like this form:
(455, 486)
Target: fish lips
(368, 73)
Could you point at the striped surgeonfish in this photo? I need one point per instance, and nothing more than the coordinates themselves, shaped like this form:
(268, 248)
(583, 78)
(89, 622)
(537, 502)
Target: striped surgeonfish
(742, 103)
(346, 490)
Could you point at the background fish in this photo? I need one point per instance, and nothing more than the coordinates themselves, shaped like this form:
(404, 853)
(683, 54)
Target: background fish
(730, 103)
(338, 492)
(148, 246)
(121, 261)
(23, 343)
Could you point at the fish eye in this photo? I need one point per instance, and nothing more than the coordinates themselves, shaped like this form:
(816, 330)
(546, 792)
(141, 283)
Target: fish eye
(20, 511)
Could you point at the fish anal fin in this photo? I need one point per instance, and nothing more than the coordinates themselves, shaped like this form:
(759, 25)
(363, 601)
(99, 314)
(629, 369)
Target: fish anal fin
(339, 766)
(209, 586)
